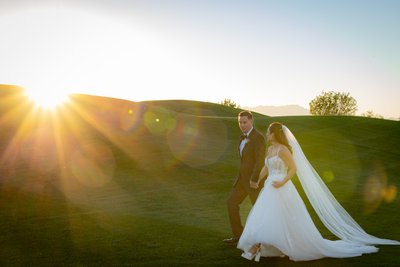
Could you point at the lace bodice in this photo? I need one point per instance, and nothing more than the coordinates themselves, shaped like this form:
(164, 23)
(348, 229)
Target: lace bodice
(276, 165)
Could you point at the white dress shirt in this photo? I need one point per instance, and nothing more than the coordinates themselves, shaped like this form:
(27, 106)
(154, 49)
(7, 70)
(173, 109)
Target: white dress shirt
(244, 141)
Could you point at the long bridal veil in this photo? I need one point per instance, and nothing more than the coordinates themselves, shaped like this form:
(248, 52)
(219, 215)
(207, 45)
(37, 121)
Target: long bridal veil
(331, 213)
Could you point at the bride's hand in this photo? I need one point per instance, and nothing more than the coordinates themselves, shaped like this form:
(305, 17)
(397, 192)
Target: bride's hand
(277, 184)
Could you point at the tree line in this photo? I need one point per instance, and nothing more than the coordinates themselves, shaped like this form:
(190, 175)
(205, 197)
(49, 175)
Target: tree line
(328, 103)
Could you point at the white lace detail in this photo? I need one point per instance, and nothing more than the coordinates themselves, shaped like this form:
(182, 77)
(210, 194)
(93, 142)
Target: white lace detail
(276, 165)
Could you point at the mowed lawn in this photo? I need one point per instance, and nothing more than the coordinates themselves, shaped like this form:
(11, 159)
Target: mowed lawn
(107, 182)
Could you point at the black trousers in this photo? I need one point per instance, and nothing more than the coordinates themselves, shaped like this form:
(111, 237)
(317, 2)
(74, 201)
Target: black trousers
(236, 197)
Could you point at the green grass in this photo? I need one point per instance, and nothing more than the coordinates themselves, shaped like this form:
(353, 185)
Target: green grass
(145, 184)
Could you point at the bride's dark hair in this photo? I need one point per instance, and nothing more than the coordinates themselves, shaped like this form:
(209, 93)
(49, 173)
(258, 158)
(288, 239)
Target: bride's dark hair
(277, 129)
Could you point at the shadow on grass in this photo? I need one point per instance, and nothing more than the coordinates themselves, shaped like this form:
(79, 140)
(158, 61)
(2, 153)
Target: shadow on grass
(46, 230)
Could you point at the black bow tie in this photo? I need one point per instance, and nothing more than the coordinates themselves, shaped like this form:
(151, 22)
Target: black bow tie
(243, 136)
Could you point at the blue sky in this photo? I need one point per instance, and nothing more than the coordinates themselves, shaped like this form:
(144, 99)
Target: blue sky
(253, 52)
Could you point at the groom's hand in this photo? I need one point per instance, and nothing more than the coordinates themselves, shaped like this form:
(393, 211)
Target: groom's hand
(253, 185)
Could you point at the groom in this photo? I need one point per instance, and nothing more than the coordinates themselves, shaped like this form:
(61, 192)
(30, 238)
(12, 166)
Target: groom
(252, 152)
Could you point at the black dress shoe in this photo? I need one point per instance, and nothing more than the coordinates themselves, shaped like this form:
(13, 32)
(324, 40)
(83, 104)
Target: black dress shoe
(232, 240)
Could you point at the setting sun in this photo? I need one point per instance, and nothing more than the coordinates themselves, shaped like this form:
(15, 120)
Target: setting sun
(47, 99)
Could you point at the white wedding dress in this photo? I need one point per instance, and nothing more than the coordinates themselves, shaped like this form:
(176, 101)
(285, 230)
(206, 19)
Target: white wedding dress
(280, 222)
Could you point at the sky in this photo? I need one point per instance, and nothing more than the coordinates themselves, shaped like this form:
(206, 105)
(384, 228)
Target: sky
(253, 52)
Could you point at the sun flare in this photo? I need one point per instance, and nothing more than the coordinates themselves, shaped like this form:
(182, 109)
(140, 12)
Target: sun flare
(47, 99)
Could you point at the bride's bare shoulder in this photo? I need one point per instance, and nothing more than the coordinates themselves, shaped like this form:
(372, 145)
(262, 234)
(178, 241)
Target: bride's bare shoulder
(283, 149)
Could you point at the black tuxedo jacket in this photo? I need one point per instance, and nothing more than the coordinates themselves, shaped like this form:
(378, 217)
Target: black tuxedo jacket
(252, 159)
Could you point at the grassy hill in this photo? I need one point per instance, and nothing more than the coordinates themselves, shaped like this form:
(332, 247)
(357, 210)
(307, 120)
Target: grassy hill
(109, 182)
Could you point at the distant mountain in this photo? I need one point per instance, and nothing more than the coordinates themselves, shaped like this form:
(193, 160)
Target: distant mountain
(287, 110)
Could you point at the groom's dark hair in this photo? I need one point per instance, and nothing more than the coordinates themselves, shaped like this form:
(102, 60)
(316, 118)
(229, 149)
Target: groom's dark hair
(247, 114)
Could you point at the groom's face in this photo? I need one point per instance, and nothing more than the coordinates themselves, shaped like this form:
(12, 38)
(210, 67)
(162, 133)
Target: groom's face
(245, 124)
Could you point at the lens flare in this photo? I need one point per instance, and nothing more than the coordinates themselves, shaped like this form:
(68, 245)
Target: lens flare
(390, 193)
(129, 117)
(39, 150)
(93, 164)
(328, 176)
(376, 190)
(159, 122)
(196, 141)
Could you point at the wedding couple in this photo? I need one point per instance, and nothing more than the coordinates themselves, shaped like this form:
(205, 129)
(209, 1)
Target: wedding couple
(279, 223)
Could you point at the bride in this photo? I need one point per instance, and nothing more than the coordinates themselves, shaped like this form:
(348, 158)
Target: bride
(279, 223)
